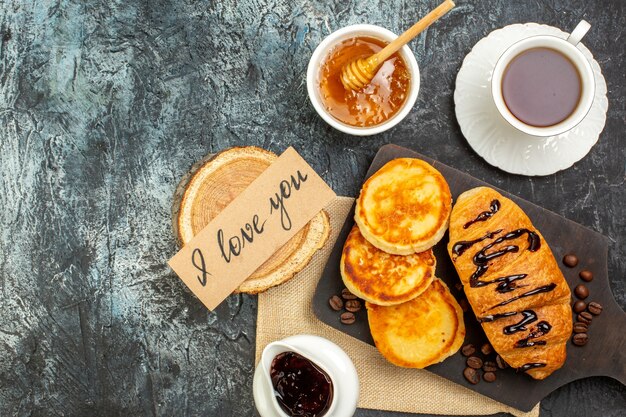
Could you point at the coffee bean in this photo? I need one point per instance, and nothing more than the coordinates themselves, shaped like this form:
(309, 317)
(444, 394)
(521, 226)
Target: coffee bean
(490, 366)
(570, 260)
(468, 350)
(472, 376)
(458, 286)
(347, 318)
(581, 291)
(579, 306)
(353, 305)
(594, 308)
(486, 349)
(474, 362)
(336, 303)
(464, 305)
(585, 317)
(586, 275)
(489, 376)
(347, 295)
(501, 362)
(580, 339)
(580, 327)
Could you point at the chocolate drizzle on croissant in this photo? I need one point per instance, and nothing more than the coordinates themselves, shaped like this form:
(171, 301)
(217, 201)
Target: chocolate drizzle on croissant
(541, 276)
(494, 317)
(543, 328)
(485, 215)
(529, 317)
(529, 366)
(482, 258)
(460, 247)
(538, 290)
(505, 283)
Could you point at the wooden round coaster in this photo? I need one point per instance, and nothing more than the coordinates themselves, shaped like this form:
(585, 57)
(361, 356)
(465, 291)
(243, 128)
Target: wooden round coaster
(217, 180)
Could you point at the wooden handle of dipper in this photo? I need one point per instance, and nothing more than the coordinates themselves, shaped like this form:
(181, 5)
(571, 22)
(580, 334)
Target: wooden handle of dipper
(412, 32)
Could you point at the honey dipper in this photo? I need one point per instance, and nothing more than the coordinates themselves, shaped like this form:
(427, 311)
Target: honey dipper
(358, 73)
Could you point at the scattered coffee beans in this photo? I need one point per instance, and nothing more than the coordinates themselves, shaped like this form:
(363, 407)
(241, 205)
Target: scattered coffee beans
(586, 275)
(501, 363)
(594, 308)
(486, 349)
(336, 303)
(489, 376)
(347, 318)
(474, 362)
(580, 339)
(585, 317)
(581, 291)
(353, 305)
(464, 305)
(579, 306)
(570, 260)
(472, 375)
(347, 301)
(458, 286)
(490, 366)
(347, 295)
(468, 350)
(580, 327)
(585, 311)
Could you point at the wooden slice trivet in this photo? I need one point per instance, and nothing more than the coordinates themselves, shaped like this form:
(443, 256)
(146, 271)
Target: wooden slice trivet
(218, 179)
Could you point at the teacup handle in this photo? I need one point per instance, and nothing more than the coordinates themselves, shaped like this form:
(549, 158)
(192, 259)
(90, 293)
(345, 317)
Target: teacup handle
(577, 34)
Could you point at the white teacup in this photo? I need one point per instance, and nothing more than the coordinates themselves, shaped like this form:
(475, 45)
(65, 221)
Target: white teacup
(568, 48)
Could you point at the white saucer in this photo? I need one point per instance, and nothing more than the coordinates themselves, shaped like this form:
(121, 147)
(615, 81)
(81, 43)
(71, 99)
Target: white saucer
(323, 352)
(499, 143)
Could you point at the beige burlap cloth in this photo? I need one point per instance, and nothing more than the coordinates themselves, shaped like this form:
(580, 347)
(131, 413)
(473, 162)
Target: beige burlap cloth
(286, 310)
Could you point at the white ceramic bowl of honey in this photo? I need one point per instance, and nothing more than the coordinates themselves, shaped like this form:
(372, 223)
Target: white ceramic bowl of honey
(377, 107)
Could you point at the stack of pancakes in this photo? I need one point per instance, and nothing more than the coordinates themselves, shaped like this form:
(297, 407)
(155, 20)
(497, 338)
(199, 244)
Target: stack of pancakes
(402, 212)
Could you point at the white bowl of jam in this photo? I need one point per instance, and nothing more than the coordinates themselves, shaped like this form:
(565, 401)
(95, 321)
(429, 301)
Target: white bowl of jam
(305, 376)
(377, 107)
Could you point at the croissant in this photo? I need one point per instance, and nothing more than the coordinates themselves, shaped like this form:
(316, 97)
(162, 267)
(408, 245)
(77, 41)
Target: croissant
(511, 280)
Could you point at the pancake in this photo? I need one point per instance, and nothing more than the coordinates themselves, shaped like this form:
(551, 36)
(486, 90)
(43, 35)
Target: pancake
(420, 332)
(404, 207)
(382, 278)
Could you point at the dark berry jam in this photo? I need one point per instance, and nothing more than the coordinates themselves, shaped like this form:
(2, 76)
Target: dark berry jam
(300, 386)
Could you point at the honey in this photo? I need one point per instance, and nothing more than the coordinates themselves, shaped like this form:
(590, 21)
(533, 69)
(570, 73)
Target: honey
(378, 101)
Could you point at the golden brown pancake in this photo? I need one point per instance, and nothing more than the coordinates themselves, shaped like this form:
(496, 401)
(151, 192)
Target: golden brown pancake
(381, 278)
(404, 207)
(420, 332)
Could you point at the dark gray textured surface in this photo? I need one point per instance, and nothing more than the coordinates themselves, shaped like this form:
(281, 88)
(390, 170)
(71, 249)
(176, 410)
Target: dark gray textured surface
(104, 105)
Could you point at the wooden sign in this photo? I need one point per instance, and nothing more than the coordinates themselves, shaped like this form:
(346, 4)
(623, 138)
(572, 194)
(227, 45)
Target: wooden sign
(274, 207)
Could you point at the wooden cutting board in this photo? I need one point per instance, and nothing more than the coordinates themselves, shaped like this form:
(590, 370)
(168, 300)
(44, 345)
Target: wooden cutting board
(604, 354)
